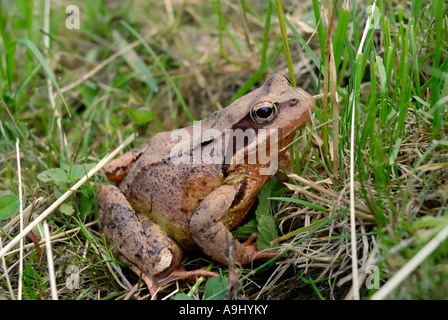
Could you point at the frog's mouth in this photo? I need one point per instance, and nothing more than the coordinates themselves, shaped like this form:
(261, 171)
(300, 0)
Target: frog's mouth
(287, 133)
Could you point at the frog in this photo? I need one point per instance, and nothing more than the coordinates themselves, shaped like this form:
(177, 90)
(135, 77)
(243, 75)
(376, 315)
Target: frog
(164, 202)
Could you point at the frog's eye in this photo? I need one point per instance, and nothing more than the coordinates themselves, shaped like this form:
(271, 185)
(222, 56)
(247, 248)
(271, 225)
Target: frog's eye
(263, 112)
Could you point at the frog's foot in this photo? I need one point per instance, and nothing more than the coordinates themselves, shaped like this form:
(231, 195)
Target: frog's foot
(250, 241)
(181, 274)
(149, 281)
(155, 285)
(251, 248)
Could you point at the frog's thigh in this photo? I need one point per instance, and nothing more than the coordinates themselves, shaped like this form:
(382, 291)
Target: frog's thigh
(135, 238)
(209, 232)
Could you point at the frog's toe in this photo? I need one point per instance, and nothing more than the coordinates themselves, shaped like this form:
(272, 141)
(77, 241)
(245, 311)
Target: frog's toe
(252, 253)
(250, 240)
(152, 285)
(181, 274)
(155, 285)
(192, 274)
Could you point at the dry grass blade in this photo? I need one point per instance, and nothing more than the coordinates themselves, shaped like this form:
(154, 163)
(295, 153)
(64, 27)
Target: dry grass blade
(51, 274)
(169, 11)
(363, 272)
(6, 274)
(409, 267)
(12, 119)
(19, 172)
(352, 175)
(326, 75)
(51, 95)
(100, 66)
(366, 214)
(26, 214)
(55, 237)
(336, 112)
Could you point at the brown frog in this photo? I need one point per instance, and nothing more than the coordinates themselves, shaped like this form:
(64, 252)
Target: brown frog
(176, 193)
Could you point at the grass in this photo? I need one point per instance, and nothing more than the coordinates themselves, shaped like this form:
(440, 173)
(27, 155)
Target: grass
(148, 66)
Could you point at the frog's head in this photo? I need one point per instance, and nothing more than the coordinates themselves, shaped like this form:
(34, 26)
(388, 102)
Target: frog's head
(276, 106)
(250, 125)
(282, 107)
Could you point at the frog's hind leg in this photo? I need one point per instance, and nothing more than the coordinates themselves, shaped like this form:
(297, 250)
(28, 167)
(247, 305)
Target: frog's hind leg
(137, 240)
(134, 238)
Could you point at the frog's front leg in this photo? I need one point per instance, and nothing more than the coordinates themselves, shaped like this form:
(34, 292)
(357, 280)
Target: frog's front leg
(138, 241)
(117, 169)
(212, 236)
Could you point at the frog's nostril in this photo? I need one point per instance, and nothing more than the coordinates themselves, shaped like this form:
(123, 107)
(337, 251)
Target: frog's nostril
(293, 101)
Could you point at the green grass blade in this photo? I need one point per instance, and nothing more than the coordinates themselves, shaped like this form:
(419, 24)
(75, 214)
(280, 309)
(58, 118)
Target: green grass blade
(162, 69)
(321, 34)
(32, 47)
(11, 179)
(356, 25)
(267, 26)
(403, 73)
(340, 35)
(300, 202)
(11, 62)
(415, 8)
(26, 81)
(437, 6)
(254, 78)
(305, 46)
(141, 70)
(222, 26)
(281, 20)
(373, 105)
(415, 64)
(313, 285)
